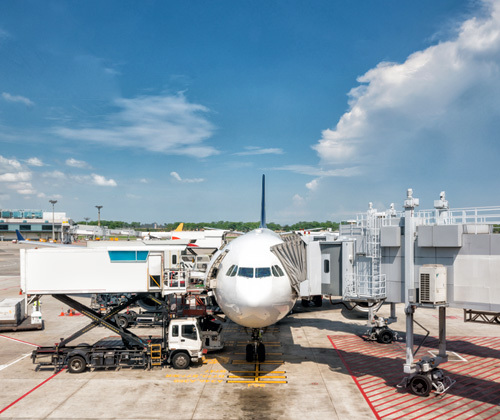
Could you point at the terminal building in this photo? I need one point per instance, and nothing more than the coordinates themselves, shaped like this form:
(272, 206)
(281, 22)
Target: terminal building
(34, 224)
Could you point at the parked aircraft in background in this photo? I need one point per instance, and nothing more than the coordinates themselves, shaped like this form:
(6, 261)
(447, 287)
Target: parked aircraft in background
(251, 284)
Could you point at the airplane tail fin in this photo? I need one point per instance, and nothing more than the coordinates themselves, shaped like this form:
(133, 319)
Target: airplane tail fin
(263, 204)
(179, 228)
(19, 236)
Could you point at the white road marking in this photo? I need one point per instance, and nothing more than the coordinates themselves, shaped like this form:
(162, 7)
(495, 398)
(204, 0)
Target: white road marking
(2, 367)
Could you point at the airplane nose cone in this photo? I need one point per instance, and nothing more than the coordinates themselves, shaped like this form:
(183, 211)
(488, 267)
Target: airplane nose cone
(254, 297)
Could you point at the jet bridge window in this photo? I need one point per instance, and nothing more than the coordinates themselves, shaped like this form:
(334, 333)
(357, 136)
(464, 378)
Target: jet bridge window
(246, 272)
(277, 271)
(262, 272)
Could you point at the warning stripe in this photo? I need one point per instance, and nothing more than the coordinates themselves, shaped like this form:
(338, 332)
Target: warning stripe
(19, 341)
(29, 392)
(376, 369)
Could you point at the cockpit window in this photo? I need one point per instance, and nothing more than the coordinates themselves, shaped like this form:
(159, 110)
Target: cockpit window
(277, 271)
(262, 272)
(232, 271)
(246, 272)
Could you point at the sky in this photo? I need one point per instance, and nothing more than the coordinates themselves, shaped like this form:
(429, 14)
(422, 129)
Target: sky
(164, 111)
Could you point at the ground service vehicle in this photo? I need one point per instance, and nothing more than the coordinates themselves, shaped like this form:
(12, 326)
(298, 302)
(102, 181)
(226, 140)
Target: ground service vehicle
(180, 345)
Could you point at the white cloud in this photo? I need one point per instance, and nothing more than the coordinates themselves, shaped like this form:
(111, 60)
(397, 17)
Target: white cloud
(176, 176)
(17, 98)
(313, 185)
(102, 181)
(34, 161)
(438, 102)
(165, 124)
(144, 181)
(54, 174)
(76, 163)
(314, 171)
(298, 200)
(24, 188)
(9, 164)
(15, 176)
(250, 150)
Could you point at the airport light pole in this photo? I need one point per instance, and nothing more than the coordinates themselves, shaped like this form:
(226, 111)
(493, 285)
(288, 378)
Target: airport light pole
(99, 215)
(86, 220)
(53, 202)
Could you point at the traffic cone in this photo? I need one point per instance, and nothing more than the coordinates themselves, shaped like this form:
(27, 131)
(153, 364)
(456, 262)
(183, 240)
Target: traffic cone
(62, 312)
(71, 312)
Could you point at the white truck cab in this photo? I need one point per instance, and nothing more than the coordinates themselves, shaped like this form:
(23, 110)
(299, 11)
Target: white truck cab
(184, 342)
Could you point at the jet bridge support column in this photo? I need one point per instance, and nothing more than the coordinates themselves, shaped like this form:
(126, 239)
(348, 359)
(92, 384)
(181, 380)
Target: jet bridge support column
(409, 284)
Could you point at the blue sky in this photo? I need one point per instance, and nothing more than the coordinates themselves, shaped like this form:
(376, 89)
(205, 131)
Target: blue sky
(165, 111)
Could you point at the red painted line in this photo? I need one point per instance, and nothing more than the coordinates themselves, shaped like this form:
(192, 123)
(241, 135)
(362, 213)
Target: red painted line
(376, 389)
(490, 417)
(29, 392)
(12, 287)
(463, 412)
(407, 396)
(378, 380)
(355, 380)
(474, 368)
(469, 396)
(20, 341)
(371, 379)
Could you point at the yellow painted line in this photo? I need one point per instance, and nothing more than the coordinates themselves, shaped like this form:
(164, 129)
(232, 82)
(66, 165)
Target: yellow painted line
(258, 377)
(268, 362)
(258, 382)
(269, 354)
(260, 371)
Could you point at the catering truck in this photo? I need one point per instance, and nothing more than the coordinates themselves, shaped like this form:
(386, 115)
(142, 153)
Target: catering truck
(180, 345)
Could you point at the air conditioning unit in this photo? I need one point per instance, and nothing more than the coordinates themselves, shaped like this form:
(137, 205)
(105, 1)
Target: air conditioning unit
(432, 279)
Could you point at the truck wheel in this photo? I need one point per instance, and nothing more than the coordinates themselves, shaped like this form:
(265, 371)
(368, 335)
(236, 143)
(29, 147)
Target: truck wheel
(122, 322)
(181, 361)
(77, 364)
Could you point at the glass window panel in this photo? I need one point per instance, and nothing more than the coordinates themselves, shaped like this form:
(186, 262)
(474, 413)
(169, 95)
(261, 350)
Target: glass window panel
(246, 272)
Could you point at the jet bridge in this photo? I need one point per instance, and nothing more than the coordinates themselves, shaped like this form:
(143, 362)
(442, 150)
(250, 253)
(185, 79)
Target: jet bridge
(426, 259)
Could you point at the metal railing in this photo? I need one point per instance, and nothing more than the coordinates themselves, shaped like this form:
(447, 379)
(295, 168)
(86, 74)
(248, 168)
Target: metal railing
(365, 287)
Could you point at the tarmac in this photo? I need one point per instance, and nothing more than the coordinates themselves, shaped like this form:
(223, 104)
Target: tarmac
(318, 366)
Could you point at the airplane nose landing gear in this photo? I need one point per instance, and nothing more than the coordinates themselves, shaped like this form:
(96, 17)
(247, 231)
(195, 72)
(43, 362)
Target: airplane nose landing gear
(256, 349)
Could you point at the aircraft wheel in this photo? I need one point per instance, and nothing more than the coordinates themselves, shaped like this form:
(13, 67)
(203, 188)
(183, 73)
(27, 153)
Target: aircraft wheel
(421, 385)
(249, 353)
(77, 364)
(261, 353)
(385, 337)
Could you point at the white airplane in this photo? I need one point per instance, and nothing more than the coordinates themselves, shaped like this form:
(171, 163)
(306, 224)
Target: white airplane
(250, 283)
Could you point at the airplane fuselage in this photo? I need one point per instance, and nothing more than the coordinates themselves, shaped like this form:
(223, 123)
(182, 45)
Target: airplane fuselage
(253, 289)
